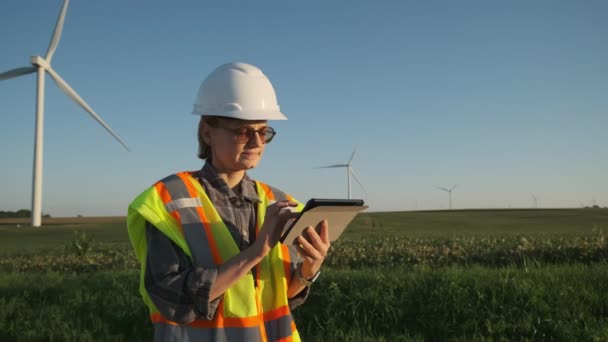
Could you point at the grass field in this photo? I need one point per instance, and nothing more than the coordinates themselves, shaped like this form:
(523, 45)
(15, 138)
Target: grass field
(23, 238)
(471, 275)
(369, 225)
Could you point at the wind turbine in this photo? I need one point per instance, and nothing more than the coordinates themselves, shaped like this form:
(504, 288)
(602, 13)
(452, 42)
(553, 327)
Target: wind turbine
(535, 200)
(448, 191)
(349, 172)
(42, 65)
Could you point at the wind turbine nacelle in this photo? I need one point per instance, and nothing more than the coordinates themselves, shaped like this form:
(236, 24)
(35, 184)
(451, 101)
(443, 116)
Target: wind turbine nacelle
(39, 61)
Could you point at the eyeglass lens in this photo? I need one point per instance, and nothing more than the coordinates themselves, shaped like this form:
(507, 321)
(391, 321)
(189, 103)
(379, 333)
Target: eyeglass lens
(245, 134)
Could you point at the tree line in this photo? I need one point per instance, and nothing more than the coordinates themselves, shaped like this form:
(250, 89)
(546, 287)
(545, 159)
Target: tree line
(18, 214)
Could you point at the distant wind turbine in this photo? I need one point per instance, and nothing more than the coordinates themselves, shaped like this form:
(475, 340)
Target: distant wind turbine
(448, 191)
(349, 172)
(42, 65)
(535, 200)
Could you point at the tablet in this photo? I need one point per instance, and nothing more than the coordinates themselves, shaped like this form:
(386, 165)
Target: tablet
(338, 213)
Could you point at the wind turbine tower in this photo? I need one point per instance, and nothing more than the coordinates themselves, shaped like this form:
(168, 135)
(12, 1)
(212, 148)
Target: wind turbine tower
(42, 65)
(349, 172)
(449, 191)
(535, 200)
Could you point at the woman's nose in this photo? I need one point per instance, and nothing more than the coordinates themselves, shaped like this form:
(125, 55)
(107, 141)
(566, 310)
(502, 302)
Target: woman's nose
(256, 139)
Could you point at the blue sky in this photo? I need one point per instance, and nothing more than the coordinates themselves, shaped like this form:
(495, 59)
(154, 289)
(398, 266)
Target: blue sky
(503, 98)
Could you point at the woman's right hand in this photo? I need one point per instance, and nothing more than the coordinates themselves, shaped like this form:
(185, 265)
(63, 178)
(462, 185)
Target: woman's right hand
(277, 215)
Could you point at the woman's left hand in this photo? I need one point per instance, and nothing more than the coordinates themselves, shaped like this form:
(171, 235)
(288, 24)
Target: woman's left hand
(314, 250)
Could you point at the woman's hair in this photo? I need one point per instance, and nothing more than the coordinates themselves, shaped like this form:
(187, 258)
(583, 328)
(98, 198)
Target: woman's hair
(204, 150)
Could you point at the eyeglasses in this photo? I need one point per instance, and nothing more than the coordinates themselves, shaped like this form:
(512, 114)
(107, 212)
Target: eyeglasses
(244, 134)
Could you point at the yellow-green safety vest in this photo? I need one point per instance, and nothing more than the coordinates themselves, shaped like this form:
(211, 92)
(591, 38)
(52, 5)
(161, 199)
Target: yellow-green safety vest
(251, 309)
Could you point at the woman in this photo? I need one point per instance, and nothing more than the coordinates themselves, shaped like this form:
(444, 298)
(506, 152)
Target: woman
(213, 268)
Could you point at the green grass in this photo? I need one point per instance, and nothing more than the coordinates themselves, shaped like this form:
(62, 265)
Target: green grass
(470, 275)
(62, 307)
(565, 303)
(27, 239)
(459, 222)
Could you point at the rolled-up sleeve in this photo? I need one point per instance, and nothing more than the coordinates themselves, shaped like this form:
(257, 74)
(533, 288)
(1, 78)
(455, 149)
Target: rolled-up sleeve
(179, 290)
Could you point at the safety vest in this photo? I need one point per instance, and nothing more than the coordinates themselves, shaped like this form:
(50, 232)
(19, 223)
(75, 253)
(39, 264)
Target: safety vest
(254, 308)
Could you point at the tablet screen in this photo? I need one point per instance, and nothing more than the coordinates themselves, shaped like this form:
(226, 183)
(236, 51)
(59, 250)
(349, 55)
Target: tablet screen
(338, 213)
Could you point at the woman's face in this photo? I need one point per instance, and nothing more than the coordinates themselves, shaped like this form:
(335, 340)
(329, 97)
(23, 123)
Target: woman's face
(228, 153)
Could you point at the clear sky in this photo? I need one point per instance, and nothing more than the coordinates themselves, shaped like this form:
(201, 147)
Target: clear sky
(503, 98)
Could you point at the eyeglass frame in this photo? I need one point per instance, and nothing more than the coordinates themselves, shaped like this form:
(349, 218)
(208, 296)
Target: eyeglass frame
(250, 133)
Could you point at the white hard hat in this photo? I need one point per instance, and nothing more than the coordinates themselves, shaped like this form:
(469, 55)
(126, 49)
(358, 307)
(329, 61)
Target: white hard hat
(239, 91)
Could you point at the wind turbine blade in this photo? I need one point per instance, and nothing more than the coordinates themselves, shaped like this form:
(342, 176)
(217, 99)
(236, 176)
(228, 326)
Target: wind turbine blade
(444, 189)
(352, 172)
(17, 72)
(454, 187)
(331, 166)
(352, 155)
(57, 34)
(65, 87)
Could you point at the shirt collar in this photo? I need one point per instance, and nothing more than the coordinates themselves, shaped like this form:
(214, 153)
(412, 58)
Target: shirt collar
(248, 187)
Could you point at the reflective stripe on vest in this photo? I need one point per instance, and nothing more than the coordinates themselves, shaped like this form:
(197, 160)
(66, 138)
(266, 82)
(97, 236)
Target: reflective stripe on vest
(167, 332)
(179, 207)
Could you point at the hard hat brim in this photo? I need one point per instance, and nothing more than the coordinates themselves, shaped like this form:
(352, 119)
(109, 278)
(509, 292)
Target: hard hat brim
(267, 115)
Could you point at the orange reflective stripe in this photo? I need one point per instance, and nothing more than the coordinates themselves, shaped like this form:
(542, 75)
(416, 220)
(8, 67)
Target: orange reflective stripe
(276, 313)
(165, 196)
(163, 192)
(285, 339)
(267, 190)
(219, 321)
(227, 322)
(185, 177)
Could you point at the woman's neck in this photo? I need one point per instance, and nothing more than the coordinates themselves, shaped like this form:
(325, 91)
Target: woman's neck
(231, 177)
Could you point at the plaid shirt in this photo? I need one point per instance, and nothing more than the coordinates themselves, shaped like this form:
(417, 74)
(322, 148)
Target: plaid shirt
(179, 290)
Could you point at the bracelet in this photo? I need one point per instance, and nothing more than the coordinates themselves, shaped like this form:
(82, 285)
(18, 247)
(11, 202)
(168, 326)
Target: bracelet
(304, 281)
